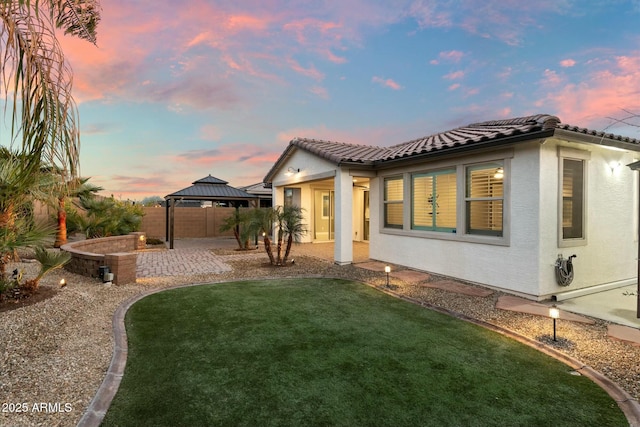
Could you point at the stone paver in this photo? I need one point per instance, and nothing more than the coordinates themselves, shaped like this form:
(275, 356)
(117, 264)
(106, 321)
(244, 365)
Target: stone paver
(624, 333)
(179, 262)
(522, 305)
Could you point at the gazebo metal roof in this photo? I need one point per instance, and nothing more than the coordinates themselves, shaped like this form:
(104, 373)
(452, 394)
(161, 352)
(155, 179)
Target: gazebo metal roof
(210, 188)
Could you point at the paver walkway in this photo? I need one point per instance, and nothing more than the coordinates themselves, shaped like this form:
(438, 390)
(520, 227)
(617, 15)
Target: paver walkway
(179, 262)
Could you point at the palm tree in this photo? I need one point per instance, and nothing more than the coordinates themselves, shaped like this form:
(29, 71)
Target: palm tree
(77, 187)
(36, 82)
(294, 228)
(49, 261)
(288, 223)
(20, 183)
(36, 78)
(260, 222)
(237, 222)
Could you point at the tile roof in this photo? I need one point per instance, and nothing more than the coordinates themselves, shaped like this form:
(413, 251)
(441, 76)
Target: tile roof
(492, 132)
(340, 152)
(258, 189)
(599, 134)
(473, 134)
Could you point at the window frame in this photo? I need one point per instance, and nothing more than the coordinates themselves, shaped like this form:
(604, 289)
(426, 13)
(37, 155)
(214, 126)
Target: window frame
(387, 203)
(469, 200)
(434, 174)
(503, 156)
(566, 153)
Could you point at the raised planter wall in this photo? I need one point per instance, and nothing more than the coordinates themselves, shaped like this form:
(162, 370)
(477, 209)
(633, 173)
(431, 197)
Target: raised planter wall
(116, 252)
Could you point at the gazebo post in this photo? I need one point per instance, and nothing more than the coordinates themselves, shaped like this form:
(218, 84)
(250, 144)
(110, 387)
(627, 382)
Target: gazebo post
(166, 220)
(171, 222)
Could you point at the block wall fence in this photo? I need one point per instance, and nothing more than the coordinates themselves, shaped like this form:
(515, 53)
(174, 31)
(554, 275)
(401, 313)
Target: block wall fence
(188, 222)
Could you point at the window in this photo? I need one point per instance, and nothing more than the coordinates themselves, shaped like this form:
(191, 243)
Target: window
(573, 178)
(393, 191)
(434, 201)
(484, 199)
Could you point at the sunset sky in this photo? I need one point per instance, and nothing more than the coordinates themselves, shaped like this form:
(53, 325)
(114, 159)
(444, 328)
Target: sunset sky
(175, 91)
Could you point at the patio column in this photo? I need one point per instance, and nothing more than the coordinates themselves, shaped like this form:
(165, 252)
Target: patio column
(343, 247)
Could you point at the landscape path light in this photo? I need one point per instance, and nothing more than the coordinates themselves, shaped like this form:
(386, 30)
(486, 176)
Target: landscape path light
(554, 313)
(387, 270)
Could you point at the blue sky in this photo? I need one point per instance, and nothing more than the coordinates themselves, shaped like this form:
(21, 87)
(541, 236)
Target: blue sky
(174, 93)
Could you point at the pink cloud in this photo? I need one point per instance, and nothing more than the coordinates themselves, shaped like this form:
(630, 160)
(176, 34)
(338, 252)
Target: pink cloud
(491, 19)
(319, 91)
(209, 133)
(567, 63)
(602, 93)
(428, 14)
(386, 83)
(451, 56)
(551, 78)
(454, 86)
(232, 153)
(454, 75)
(311, 71)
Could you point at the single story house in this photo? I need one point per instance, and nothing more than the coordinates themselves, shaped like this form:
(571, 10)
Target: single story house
(496, 203)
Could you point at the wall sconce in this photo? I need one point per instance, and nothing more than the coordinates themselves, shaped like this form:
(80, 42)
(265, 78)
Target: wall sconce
(614, 166)
(554, 313)
(387, 270)
(291, 171)
(499, 173)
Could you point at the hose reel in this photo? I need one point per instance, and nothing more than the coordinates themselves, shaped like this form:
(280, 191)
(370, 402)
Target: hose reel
(564, 270)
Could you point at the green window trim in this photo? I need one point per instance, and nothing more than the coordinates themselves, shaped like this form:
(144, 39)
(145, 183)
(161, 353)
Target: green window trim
(434, 201)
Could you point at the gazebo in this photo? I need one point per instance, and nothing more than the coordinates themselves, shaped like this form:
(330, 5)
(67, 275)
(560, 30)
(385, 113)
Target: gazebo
(210, 189)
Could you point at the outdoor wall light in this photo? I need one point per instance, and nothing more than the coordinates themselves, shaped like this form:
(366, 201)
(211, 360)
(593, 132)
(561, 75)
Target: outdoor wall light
(291, 171)
(387, 270)
(614, 166)
(554, 313)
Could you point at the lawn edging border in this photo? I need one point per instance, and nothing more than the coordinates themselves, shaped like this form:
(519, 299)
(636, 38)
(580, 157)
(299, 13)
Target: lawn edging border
(97, 409)
(627, 403)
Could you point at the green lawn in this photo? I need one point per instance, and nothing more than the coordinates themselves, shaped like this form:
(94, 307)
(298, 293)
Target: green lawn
(323, 352)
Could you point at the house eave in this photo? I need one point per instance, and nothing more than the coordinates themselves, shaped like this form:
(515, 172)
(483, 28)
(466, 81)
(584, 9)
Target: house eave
(596, 140)
(463, 149)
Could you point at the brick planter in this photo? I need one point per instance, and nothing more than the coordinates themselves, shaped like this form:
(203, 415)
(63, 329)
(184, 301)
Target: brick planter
(117, 253)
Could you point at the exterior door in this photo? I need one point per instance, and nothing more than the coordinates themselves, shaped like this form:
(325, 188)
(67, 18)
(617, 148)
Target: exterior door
(323, 215)
(365, 222)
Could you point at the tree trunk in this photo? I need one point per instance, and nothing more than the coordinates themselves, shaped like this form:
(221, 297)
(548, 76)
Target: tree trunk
(288, 249)
(279, 257)
(268, 249)
(7, 221)
(61, 235)
(237, 236)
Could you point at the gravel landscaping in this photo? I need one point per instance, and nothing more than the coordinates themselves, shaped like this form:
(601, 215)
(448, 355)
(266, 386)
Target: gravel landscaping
(55, 353)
